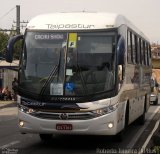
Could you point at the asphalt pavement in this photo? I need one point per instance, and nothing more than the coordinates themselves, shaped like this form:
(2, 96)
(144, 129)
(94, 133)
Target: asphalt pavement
(10, 103)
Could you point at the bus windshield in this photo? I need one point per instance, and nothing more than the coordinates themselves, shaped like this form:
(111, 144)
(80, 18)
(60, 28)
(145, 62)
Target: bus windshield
(68, 64)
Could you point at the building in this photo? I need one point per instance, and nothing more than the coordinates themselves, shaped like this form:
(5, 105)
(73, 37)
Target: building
(7, 73)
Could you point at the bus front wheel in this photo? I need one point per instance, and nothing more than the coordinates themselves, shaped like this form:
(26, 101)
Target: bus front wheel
(121, 134)
(46, 137)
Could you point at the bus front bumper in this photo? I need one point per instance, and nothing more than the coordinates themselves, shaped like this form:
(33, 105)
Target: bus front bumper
(108, 124)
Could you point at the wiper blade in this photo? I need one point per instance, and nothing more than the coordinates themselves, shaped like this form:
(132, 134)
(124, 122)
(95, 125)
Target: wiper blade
(72, 107)
(52, 75)
(82, 80)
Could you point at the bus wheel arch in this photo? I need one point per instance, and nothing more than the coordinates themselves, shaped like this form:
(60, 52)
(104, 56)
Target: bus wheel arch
(120, 135)
(46, 137)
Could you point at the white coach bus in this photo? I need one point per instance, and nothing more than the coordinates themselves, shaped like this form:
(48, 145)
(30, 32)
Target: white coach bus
(81, 73)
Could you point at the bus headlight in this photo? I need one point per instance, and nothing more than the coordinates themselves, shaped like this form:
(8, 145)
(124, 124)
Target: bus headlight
(106, 110)
(26, 109)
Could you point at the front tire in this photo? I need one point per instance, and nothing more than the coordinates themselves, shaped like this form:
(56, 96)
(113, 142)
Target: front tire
(46, 137)
(120, 136)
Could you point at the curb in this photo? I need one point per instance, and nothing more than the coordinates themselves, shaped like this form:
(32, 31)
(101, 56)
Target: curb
(5, 104)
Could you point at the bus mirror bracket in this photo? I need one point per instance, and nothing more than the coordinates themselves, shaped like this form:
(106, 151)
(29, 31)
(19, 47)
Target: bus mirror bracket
(10, 47)
(120, 51)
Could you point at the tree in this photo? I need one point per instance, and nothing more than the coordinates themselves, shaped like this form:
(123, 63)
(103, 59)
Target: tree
(4, 37)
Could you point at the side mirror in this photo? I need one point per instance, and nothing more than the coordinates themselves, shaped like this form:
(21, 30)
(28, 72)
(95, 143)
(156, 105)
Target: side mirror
(10, 47)
(120, 51)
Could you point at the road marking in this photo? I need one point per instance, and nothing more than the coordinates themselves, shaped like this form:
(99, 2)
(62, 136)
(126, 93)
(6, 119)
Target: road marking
(149, 137)
(141, 130)
(9, 144)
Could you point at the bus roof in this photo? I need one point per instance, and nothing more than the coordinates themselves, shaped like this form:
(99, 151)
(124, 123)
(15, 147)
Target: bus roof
(80, 21)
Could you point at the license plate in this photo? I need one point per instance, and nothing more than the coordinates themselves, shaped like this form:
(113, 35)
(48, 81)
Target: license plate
(64, 126)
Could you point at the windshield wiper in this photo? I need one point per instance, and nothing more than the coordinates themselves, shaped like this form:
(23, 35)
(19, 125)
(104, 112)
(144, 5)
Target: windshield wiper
(82, 80)
(53, 73)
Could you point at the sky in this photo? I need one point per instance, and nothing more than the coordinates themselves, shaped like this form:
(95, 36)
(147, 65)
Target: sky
(144, 14)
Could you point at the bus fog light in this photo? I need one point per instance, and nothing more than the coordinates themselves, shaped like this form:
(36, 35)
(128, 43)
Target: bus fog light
(110, 125)
(21, 123)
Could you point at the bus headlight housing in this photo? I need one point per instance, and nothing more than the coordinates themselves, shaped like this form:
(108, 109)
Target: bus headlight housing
(26, 109)
(106, 110)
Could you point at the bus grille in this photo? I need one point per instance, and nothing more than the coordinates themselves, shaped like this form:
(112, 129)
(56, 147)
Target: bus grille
(64, 116)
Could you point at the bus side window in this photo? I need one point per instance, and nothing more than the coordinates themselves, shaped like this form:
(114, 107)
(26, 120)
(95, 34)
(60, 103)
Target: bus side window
(149, 53)
(140, 55)
(121, 51)
(136, 49)
(121, 59)
(143, 53)
(133, 49)
(129, 48)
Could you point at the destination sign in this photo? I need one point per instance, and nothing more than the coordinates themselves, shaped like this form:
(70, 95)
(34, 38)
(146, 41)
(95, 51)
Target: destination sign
(48, 36)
